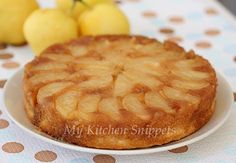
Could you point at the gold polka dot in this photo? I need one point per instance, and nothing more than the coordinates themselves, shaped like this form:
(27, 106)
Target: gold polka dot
(149, 14)
(6, 56)
(203, 44)
(3, 123)
(235, 96)
(45, 156)
(166, 31)
(212, 32)
(3, 46)
(10, 65)
(13, 147)
(2, 83)
(104, 159)
(211, 11)
(175, 39)
(179, 150)
(176, 19)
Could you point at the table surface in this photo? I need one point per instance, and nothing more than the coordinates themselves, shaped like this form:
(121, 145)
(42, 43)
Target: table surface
(202, 25)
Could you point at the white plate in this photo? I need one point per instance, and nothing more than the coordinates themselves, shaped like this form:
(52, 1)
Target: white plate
(13, 97)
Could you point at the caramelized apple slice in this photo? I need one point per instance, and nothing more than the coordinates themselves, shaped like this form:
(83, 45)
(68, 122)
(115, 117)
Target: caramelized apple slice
(132, 103)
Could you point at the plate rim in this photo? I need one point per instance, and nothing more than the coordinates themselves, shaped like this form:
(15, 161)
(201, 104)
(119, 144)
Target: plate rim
(112, 151)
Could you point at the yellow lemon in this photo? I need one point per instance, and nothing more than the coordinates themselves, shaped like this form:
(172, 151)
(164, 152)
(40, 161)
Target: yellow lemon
(103, 19)
(12, 16)
(45, 27)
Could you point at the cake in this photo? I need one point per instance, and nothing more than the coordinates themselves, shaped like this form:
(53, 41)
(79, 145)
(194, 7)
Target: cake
(119, 92)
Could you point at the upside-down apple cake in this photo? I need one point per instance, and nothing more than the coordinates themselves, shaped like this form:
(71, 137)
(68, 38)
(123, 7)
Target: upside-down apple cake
(119, 92)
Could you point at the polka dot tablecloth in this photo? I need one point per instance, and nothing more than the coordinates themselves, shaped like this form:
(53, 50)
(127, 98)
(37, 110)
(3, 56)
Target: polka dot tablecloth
(202, 25)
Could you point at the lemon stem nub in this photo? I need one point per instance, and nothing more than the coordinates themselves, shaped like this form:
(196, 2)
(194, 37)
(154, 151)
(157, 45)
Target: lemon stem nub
(81, 1)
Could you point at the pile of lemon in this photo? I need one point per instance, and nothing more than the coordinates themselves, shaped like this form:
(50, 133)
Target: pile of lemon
(23, 21)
